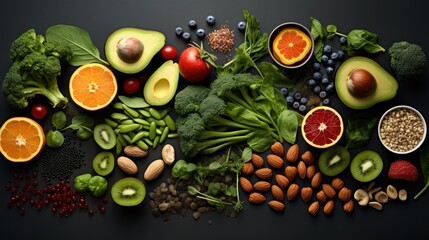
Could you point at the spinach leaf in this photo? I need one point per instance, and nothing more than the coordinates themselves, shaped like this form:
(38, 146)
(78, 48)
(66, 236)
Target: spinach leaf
(363, 40)
(59, 120)
(260, 141)
(79, 41)
(424, 164)
(319, 34)
(288, 123)
(272, 73)
(246, 155)
(133, 102)
(83, 124)
(359, 129)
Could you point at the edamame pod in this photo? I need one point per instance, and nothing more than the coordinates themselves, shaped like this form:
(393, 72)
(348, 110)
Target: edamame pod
(141, 121)
(128, 128)
(121, 140)
(127, 121)
(119, 148)
(126, 137)
(164, 112)
(110, 122)
(148, 141)
(170, 123)
(164, 135)
(131, 112)
(142, 145)
(117, 105)
(152, 130)
(156, 141)
(155, 113)
(139, 136)
(144, 113)
(119, 116)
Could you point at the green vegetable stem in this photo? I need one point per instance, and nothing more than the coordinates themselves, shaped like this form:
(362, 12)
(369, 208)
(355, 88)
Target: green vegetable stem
(424, 163)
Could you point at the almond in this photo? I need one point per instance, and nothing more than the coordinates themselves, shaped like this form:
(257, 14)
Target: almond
(247, 168)
(275, 161)
(246, 185)
(337, 184)
(321, 197)
(257, 160)
(308, 158)
(277, 193)
(329, 207)
(291, 172)
(264, 173)
(311, 170)
(127, 165)
(313, 209)
(316, 180)
(278, 149)
(349, 206)
(256, 198)
(167, 154)
(292, 191)
(302, 169)
(154, 169)
(329, 190)
(276, 206)
(282, 181)
(134, 151)
(345, 194)
(262, 186)
(306, 194)
(292, 153)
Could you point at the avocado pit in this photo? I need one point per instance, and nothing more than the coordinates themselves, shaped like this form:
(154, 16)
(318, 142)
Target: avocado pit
(361, 83)
(129, 49)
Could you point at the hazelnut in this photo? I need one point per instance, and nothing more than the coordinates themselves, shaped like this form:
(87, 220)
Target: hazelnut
(361, 83)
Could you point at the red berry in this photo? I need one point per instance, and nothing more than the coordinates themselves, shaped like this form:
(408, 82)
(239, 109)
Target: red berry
(131, 86)
(404, 170)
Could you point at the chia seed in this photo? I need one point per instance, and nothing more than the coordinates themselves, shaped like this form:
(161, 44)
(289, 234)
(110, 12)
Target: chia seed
(221, 40)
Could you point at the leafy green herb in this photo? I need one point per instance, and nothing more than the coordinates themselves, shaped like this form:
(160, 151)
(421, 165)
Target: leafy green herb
(54, 139)
(424, 163)
(319, 34)
(83, 124)
(359, 129)
(246, 154)
(59, 120)
(79, 41)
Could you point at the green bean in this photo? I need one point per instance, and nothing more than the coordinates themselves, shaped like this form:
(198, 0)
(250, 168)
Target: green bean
(172, 135)
(139, 136)
(121, 140)
(142, 145)
(152, 130)
(164, 112)
(170, 123)
(158, 122)
(154, 113)
(156, 141)
(130, 111)
(144, 112)
(128, 128)
(119, 116)
(127, 122)
(159, 131)
(141, 121)
(126, 137)
(110, 122)
(148, 141)
(119, 148)
(164, 134)
(118, 105)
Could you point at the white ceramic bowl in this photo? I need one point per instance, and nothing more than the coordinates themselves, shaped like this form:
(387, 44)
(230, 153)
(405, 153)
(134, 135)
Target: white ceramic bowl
(394, 130)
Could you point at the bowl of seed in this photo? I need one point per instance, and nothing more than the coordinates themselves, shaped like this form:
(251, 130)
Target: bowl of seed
(402, 129)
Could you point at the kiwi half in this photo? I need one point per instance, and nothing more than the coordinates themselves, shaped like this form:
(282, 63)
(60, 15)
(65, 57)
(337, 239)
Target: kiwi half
(366, 166)
(105, 136)
(334, 160)
(128, 191)
(103, 163)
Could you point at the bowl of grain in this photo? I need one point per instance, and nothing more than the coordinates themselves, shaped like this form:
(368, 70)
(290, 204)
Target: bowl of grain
(402, 129)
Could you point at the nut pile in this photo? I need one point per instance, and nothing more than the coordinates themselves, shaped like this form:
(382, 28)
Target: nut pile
(375, 196)
(279, 179)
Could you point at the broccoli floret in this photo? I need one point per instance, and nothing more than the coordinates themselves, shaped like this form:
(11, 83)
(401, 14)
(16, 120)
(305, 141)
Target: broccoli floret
(188, 100)
(407, 60)
(35, 69)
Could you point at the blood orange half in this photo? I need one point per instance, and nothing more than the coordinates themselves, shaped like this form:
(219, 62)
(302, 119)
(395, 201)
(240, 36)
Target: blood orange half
(291, 45)
(322, 127)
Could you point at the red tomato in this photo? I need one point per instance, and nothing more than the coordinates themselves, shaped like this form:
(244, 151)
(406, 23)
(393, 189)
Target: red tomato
(192, 67)
(39, 111)
(131, 85)
(169, 53)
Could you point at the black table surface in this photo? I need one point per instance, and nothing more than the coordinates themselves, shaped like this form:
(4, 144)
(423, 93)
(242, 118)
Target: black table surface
(391, 20)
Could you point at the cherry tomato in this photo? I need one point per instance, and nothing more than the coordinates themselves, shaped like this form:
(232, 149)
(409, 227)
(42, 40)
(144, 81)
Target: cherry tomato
(131, 85)
(169, 53)
(192, 67)
(39, 111)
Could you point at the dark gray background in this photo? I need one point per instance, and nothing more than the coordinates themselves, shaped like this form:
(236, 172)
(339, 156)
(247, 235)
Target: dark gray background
(393, 21)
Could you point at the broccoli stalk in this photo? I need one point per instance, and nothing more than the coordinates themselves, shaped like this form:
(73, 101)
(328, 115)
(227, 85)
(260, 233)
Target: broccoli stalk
(36, 66)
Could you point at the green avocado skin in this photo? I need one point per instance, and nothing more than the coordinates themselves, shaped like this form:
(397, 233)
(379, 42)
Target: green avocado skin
(386, 86)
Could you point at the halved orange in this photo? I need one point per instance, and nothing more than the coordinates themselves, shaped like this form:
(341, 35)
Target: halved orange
(291, 45)
(322, 127)
(21, 139)
(93, 86)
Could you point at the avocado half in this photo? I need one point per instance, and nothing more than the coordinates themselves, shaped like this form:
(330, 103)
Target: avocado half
(386, 85)
(161, 86)
(152, 42)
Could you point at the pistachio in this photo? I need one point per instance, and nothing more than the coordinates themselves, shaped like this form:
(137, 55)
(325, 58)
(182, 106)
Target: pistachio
(381, 197)
(391, 192)
(376, 205)
(372, 191)
(361, 196)
(402, 194)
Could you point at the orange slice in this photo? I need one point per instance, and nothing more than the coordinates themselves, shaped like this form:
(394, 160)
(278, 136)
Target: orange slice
(322, 127)
(291, 45)
(21, 139)
(93, 86)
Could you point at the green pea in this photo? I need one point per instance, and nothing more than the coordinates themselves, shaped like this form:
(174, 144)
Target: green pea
(152, 130)
(170, 123)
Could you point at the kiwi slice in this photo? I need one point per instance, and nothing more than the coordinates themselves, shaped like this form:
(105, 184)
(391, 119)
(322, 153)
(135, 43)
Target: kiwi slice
(103, 163)
(128, 191)
(366, 166)
(105, 136)
(334, 160)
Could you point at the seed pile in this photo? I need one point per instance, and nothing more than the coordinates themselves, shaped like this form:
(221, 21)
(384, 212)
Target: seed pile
(221, 40)
(60, 163)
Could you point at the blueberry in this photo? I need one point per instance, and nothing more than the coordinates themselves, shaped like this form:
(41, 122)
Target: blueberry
(186, 36)
(302, 108)
(241, 25)
(317, 76)
(316, 89)
(329, 70)
(326, 101)
(327, 49)
(210, 20)
(297, 95)
(330, 88)
(343, 40)
(303, 100)
(192, 24)
(325, 58)
(331, 62)
(316, 66)
(284, 91)
(311, 83)
(322, 94)
(325, 81)
(179, 31)
(334, 55)
(340, 54)
(290, 99)
(201, 33)
(296, 105)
